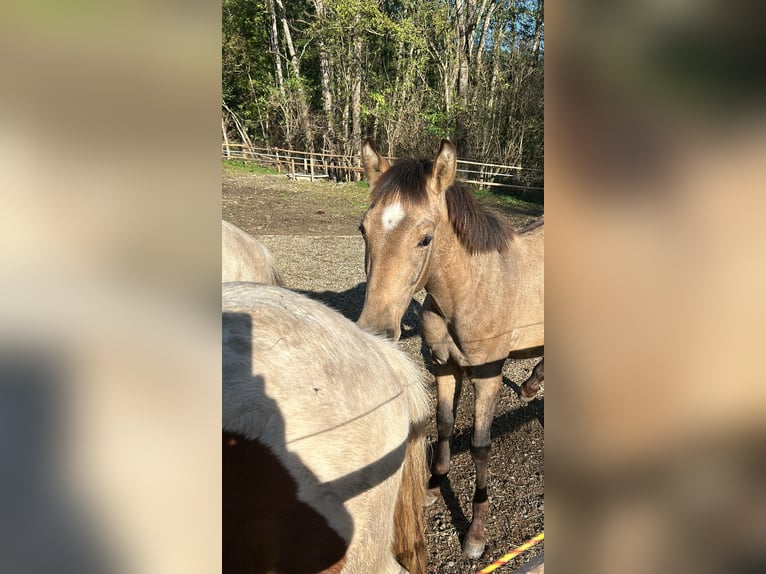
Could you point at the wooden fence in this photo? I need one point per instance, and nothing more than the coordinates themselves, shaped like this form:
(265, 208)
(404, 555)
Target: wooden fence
(333, 167)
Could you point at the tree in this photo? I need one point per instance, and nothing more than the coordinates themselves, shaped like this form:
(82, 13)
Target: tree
(326, 73)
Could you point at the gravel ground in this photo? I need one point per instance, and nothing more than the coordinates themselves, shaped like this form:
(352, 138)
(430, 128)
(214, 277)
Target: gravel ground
(311, 228)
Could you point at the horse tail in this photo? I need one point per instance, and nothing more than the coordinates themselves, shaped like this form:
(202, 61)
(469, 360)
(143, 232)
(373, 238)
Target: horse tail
(409, 528)
(409, 537)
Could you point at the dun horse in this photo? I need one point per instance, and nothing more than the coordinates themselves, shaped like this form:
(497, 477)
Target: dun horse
(323, 441)
(244, 258)
(484, 300)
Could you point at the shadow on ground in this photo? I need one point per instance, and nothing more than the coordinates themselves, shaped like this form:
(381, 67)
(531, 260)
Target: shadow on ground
(351, 301)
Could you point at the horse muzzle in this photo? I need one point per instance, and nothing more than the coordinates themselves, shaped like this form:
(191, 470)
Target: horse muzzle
(384, 328)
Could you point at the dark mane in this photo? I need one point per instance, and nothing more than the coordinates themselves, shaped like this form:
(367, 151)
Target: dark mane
(478, 229)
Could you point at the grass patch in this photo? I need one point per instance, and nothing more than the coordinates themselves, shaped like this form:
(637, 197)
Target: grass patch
(233, 166)
(506, 202)
(354, 195)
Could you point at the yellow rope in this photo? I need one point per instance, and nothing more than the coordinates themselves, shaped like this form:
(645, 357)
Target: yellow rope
(512, 554)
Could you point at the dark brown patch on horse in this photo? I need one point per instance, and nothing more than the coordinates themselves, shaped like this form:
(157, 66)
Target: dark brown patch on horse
(478, 230)
(265, 526)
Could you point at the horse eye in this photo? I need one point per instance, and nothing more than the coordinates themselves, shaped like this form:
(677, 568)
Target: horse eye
(361, 230)
(425, 241)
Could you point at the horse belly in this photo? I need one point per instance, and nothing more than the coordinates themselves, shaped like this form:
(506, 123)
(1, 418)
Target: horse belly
(526, 312)
(527, 337)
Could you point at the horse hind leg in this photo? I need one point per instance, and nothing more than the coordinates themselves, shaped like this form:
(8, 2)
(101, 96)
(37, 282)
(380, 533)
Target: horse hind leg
(449, 384)
(486, 392)
(531, 386)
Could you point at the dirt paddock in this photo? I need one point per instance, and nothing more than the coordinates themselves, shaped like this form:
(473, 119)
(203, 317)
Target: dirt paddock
(312, 230)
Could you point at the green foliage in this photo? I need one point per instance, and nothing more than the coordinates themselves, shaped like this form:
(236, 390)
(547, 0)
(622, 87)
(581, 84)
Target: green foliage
(410, 52)
(436, 124)
(245, 65)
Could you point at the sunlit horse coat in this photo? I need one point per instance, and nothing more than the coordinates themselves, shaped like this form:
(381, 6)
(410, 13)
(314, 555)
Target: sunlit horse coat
(322, 441)
(244, 258)
(485, 301)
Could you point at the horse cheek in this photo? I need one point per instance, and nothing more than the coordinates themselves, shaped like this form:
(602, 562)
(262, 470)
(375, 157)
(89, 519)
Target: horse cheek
(420, 261)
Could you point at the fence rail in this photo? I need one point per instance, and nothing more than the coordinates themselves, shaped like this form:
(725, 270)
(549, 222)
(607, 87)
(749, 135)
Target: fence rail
(319, 165)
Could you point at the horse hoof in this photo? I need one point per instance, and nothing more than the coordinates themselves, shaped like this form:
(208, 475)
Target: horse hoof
(432, 495)
(472, 549)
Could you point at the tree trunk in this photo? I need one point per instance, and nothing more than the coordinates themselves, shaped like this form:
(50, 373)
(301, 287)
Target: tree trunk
(225, 137)
(324, 72)
(465, 24)
(301, 100)
(292, 55)
(483, 38)
(497, 51)
(274, 46)
(538, 30)
(356, 102)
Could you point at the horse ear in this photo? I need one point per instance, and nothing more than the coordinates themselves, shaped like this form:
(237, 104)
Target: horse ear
(374, 164)
(445, 166)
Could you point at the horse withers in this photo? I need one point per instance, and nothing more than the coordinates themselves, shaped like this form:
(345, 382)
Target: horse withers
(244, 258)
(323, 441)
(484, 302)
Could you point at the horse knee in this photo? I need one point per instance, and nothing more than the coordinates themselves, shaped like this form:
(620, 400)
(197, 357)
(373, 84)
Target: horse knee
(439, 356)
(480, 454)
(444, 426)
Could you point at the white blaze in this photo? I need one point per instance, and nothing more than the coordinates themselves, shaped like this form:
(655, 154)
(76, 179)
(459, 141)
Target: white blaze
(392, 215)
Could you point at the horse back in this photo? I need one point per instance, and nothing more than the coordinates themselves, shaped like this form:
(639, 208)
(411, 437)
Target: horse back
(244, 258)
(332, 407)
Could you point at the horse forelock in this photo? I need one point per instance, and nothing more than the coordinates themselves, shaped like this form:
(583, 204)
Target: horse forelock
(405, 182)
(478, 230)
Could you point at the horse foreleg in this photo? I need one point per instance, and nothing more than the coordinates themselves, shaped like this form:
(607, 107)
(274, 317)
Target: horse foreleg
(531, 386)
(485, 391)
(449, 383)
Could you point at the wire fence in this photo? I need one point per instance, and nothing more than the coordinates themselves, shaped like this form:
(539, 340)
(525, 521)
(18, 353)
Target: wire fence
(342, 168)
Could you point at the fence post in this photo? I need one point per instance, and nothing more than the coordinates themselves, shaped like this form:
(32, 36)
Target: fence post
(225, 138)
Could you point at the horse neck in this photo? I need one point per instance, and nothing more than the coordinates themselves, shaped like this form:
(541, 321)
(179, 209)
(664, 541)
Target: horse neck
(449, 269)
